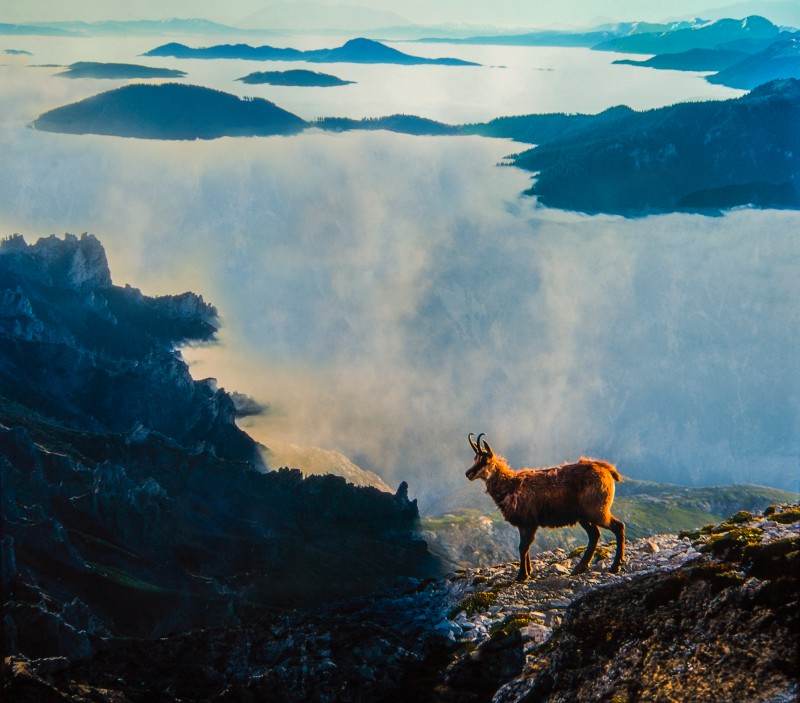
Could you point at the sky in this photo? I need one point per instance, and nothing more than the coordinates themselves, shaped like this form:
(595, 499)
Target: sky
(522, 13)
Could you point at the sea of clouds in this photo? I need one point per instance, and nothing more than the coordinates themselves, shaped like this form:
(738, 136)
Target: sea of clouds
(385, 294)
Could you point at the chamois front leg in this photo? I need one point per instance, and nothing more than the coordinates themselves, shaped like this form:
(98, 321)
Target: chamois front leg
(526, 536)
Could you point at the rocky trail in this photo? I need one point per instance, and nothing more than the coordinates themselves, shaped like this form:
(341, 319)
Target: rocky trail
(705, 616)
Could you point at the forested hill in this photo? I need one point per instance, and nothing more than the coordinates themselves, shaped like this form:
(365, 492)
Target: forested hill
(695, 157)
(170, 111)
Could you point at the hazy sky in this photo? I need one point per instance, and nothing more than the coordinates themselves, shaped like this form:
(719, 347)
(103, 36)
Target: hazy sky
(525, 13)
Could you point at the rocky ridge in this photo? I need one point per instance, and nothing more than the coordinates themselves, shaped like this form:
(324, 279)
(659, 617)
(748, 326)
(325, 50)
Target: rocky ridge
(707, 615)
(132, 504)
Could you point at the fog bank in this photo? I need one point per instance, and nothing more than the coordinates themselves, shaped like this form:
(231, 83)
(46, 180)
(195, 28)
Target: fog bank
(384, 295)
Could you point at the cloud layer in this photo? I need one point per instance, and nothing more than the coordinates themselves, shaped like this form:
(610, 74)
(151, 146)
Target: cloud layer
(386, 294)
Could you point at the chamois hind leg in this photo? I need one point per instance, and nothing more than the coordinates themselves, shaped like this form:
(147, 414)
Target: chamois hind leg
(594, 538)
(618, 528)
(526, 535)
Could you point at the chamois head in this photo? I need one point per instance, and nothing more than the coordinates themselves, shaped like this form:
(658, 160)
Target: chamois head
(483, 458)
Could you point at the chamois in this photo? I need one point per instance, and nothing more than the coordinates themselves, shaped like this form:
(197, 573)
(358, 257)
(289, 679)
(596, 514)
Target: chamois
(554, 497)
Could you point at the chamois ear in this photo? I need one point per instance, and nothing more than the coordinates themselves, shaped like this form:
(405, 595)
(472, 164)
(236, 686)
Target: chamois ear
(487, 449)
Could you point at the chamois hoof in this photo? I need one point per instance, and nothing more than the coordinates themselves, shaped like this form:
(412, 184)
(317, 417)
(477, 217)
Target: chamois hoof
(579, 569)
(522, 577)
(613, 569)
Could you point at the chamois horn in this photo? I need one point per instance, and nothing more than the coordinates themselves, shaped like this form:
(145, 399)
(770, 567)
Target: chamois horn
(478, 442)
(472, 443)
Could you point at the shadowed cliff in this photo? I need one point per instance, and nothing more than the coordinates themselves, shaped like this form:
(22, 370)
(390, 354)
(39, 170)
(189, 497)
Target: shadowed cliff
(132, 504)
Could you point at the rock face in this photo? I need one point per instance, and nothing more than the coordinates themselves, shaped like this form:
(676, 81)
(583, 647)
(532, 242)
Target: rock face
(132, 505)
(704, 616)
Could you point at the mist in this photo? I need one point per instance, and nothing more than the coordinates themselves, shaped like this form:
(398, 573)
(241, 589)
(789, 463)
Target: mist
(385, 313)
(383, 295)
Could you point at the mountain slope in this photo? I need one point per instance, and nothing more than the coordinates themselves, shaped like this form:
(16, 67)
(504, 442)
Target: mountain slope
(132, 504)
(779, 60)
(707, 617)
(692, 60)
(170, 111)
(691, 156)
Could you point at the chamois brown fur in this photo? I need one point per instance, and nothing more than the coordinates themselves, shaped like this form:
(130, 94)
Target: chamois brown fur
(553, 497)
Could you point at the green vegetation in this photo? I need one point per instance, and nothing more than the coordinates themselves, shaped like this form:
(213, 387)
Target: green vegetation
(741, 537)
(787, 517)
(510, 625)
(474, 603)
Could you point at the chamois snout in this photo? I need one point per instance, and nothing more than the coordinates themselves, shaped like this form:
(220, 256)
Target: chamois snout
(472, 471)
(483, 454)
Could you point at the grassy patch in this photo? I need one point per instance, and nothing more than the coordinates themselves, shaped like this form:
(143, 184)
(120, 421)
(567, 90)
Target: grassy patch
(732, 541)
(510, 625)
(787, 517)
(474, 603)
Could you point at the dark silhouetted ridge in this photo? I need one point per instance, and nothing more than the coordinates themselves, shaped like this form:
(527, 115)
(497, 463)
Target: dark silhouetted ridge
(311, 79)
(353, 51)
(170, 111)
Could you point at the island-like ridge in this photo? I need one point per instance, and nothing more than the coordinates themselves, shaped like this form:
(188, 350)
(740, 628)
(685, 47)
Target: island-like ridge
(170, 111)
(297, 77)
(95, 69)
(353, 51)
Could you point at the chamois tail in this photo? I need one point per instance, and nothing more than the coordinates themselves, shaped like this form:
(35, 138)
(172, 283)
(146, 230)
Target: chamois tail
(603, 465)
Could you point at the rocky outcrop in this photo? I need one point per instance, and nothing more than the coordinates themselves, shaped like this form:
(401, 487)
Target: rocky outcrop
(132, 504)
(704, 616)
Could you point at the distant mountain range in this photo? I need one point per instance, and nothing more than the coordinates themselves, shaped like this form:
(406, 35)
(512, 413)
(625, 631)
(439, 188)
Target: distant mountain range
(311, 16)
(749, 34)
(169, 27)
(170, 111)
(686, 157)
(309, 79)
(778, 60)
(569, 38)
(745, 52)
(353, 51)
(92, 69)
